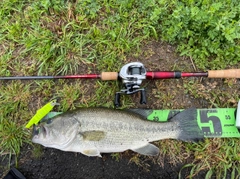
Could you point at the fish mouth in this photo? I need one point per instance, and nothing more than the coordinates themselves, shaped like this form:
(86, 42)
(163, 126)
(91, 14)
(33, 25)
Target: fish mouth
(39, 130)
(35, 130)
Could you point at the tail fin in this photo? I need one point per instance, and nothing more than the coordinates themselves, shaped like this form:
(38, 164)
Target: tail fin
(188, 125)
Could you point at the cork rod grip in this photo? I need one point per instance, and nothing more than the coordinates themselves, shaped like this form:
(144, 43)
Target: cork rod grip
(109, 76)
(231, 73)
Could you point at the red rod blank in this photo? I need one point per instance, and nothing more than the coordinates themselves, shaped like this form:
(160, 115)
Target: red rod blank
(173, 74)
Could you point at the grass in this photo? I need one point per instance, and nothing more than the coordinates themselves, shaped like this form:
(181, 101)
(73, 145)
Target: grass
(218, 156)
(12, 137)
(76, 37)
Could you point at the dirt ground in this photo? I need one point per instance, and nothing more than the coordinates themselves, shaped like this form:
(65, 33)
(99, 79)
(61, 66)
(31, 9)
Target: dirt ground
(58, 164)
(161, 94)
(55, 164)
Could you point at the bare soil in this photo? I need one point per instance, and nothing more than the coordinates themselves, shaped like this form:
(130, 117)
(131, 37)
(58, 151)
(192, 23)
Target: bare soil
(160, 95)
(58, 164)
(55, 164)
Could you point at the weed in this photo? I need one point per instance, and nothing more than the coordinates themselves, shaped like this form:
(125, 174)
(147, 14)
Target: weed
(204, 31)
(37, 151)
(70, 93)
(211, 91)
(172, 150)
(208, 157)
(116, 156)
(12, 137)
(140, 162)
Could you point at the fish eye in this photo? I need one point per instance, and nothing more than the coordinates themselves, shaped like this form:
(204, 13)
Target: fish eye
(49, 121)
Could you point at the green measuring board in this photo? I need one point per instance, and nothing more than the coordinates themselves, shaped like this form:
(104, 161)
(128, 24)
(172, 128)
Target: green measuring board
(219, 122)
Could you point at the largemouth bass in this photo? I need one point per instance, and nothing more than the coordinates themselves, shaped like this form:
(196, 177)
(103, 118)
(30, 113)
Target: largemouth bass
(93, 131)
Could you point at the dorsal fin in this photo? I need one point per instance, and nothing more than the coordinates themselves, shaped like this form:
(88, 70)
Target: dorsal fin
(142, 112)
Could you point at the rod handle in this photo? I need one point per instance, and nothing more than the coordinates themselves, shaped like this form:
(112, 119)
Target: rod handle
(230, 73)
(109, 76)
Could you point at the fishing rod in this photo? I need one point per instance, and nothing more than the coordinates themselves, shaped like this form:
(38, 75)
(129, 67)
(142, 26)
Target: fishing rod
(132, 75)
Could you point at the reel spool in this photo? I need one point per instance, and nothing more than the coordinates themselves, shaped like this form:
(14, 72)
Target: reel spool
(132, 75)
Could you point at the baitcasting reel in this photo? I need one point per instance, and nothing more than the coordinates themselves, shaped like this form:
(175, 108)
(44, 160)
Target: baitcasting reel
(132, 75)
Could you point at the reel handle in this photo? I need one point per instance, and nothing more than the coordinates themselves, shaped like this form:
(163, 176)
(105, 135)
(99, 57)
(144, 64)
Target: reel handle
(143, 99)
(117, 100)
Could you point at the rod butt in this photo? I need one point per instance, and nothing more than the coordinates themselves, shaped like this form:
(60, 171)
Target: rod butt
(230, 73)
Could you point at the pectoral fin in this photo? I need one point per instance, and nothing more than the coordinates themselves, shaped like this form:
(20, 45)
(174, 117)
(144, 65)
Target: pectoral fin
(93, 135)
(91, 153)
(148, 149)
